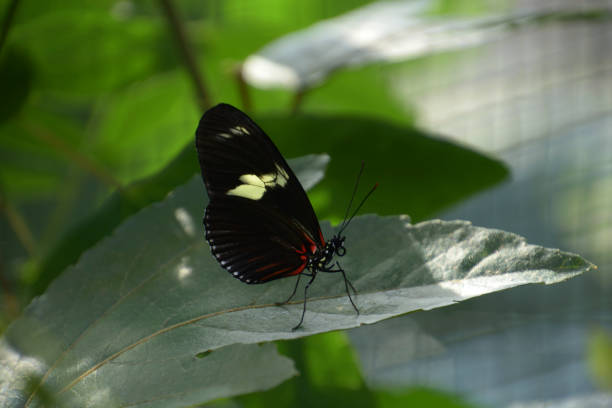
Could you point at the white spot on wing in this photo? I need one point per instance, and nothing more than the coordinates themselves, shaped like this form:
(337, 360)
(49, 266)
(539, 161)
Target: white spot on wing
(268, 178)
(254, 186)
(247, 191)
(225, 135)
(253, 180)
(281, 176)
(240, 130)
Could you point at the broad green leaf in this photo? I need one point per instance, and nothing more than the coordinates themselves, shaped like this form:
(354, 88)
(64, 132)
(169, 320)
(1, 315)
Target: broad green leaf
(366, 91)
(97, 53)
(417, 174)
(152, 291)
(419, 397)
(30, 10)
(465, 7)
(144, 126)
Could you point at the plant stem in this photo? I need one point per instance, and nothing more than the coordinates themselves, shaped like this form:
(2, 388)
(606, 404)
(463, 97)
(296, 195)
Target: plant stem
(298, 97)
(19, 225)
(243, 90)
(8, 21)
(178, 28)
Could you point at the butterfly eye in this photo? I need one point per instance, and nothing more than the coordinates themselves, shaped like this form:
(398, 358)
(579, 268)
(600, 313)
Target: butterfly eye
(341, 251)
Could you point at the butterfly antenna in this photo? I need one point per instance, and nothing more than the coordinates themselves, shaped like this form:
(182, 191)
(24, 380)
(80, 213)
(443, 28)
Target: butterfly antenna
(344, 225)
(352, 196)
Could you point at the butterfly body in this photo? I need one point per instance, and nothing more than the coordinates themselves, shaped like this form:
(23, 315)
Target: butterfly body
(259, 222)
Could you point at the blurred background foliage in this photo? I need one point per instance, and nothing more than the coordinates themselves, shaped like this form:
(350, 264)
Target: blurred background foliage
(100, 100)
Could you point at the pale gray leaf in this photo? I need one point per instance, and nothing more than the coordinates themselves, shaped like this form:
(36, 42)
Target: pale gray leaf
(134, 319)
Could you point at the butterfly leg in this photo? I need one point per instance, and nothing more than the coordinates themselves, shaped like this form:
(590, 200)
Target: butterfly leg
(348, 283)
(292, 293)
(314, 275)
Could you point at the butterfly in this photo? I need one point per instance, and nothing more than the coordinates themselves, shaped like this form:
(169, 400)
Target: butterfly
(259, 223)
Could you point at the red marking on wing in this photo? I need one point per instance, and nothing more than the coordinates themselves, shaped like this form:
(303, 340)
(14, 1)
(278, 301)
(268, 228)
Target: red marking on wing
(263, 268)
(321, 236)
(313, 245)
(308, 239)
(297, 271)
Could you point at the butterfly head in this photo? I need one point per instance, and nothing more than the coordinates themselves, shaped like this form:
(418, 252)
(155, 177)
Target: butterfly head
(336, 245)
(322, 259)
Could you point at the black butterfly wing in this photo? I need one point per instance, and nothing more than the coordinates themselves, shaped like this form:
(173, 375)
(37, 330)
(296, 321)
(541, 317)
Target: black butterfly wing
(259, 222)
(254, 252)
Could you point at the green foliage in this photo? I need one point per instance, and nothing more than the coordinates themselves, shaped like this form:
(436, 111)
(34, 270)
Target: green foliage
(109, 104)
(96, 129)
(465, 7)
(30, 170)
(130, 142)
(600, 357)
(329, 361)
(419, 397)
(16, 75)
(370, 85)
(98, 53)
